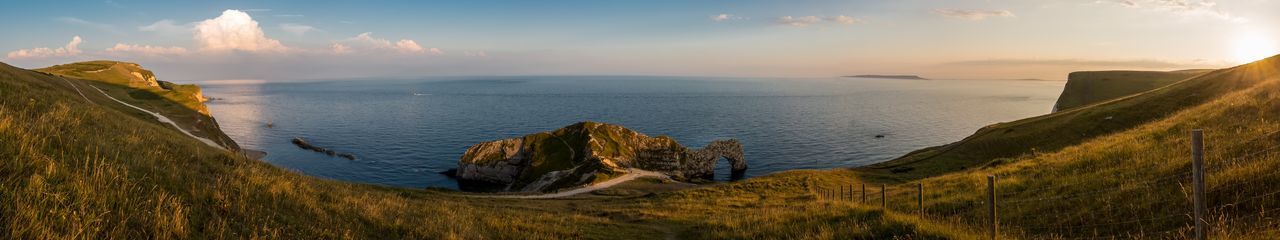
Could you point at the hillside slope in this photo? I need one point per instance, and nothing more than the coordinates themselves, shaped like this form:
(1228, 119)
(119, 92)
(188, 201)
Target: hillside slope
(1061, 129)
(72, 166)
(129, 82)
(75, 165)
(1089, 87)
(1135, 183)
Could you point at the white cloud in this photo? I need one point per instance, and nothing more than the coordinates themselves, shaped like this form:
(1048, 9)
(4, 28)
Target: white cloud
(234, 30)
(367, 40)
(972, 15)
(297, 29)
(842, 19)
(798, 21)
(475, 54)
(71, 49)
(121, 48)
(408, 46)
(94, 25)
(339, 48)
(811, 20)
(167, 26)
(725, 17)
(1202, 8)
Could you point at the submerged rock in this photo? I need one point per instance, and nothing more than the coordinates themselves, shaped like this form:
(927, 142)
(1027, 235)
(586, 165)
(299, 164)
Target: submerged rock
(589, 152)
(308, 146)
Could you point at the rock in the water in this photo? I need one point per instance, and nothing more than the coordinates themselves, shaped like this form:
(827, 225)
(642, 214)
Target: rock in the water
(306, 145)
(589, 152)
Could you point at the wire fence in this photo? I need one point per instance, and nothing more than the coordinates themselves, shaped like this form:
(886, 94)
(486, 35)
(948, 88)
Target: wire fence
(1128, 195)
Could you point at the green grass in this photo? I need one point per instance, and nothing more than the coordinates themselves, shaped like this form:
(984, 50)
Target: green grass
(1239, 117)
(76, 168)
(179, 102)
(1084, 88)
(1055, 131)
(72, 168)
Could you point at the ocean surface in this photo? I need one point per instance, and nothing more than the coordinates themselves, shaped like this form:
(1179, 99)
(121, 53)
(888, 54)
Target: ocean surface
(404, 132)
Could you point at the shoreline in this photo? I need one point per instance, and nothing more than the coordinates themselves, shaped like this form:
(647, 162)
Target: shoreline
(253, 154)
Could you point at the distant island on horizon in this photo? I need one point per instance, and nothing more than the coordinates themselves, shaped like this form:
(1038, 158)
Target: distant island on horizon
(909, 77)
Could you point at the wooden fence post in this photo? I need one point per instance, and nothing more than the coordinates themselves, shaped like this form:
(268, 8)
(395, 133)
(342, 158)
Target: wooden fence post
(1197, 175)
(920, 198)
(991, 206)
(864, 193)
(850, 198)
(884, 201)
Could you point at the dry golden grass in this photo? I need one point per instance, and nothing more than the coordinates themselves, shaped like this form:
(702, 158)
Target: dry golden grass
(71, 168)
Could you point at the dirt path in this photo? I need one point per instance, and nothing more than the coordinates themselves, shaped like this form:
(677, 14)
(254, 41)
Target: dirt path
(162, 119)
(632, 174)
(73, 86)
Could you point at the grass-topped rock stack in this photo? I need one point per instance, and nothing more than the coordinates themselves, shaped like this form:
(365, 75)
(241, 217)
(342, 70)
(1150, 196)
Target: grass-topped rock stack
(588, 152)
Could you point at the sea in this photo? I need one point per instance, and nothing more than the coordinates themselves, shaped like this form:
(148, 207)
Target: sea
(405, 132)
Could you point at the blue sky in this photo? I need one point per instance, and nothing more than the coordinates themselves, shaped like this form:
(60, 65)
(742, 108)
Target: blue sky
(191, 40)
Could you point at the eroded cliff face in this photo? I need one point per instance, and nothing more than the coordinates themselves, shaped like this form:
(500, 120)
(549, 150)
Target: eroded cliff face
(588, 152)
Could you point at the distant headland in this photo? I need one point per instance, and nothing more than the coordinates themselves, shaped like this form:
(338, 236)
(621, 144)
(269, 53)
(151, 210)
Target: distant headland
(909, 77)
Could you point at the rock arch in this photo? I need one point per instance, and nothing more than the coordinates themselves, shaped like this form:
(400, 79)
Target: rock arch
(701, 163)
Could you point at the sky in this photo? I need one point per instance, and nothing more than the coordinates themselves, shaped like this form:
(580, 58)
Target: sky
(961, 39)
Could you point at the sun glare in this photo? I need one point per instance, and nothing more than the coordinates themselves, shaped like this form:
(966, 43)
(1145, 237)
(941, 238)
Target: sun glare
(1254, 46)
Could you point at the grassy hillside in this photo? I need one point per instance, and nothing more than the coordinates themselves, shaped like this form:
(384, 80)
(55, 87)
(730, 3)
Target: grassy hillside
(1055, 131)
(129, 82)
(1135, 183)
(74, 166)
(1084, 88)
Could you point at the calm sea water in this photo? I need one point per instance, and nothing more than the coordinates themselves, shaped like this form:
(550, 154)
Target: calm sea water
(407, 131)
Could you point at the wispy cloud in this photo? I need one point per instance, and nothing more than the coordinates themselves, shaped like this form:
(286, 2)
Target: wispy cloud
(1090, 63)
(71, 49)
(972, 15)
(94, 25)
(367, 41)
(297, 29)
(339, 48)
(798, 21)
(811, 20)
(842, 19)
(113, 4)
(167, 26)
(147, 50)
(1202, 8)
(725, 17)
(289, 15)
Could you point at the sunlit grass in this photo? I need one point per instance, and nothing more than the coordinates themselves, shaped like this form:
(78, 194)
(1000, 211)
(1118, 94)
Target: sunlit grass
(71, 168)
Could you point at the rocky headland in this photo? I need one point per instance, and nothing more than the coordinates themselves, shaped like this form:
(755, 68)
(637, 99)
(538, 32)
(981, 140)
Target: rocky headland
(588, 152)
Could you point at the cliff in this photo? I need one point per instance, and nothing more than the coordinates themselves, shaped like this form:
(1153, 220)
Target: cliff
(1089, 87)
(588, 152)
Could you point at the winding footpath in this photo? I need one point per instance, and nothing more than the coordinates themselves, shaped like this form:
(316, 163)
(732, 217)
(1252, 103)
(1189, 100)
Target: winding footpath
(632, 174)
(162, 118)
(73, 86)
